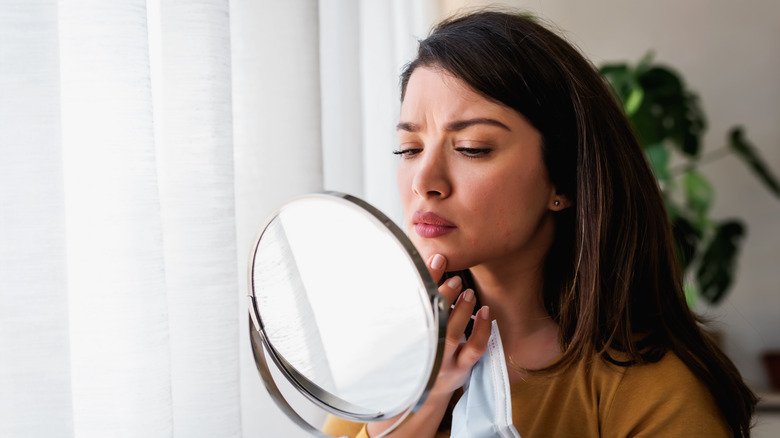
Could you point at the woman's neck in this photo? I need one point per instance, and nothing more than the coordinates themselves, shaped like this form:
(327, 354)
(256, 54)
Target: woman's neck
(514, 293)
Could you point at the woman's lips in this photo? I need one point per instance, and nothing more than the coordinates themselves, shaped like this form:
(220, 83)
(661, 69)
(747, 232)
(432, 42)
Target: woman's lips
(428, 230)
(429, 225)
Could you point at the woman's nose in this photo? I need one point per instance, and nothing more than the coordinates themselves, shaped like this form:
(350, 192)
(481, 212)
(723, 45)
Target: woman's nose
(432, 179)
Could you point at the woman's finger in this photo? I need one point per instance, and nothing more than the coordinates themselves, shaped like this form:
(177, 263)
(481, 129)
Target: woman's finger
(436, 265)
(460, 316)
(450, 289)
(475, 347)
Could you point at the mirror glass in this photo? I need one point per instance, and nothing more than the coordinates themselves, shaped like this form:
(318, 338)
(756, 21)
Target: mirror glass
(345, 307)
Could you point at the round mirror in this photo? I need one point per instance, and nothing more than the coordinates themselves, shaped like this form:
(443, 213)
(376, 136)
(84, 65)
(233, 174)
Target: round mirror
(345, 309)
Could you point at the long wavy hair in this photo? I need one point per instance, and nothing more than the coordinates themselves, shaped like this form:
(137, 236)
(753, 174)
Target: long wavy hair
(612, 281)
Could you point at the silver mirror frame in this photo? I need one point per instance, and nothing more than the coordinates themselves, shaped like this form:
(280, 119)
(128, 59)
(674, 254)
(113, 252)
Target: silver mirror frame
(437, 318)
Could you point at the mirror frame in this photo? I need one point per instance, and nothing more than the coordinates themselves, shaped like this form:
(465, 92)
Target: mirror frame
(261, 347)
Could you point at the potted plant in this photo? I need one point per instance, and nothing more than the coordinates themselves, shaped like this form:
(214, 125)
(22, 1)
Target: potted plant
(668, 120)
(670, 123)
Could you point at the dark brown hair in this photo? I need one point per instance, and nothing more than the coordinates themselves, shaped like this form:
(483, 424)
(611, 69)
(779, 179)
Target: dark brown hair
(612, 281)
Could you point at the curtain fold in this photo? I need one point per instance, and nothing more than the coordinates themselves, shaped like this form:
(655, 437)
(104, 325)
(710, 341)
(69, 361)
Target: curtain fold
(119, 339)
(34, 347)
(342, 109)
(195, 162)
(278, 150)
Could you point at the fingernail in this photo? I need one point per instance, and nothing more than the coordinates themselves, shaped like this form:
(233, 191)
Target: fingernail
(468, 295)
(437, 262)
(453, 282)
(484, 313)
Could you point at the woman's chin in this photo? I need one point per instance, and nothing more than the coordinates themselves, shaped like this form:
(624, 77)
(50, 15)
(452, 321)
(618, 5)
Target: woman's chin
(456, 261)
(456, 264)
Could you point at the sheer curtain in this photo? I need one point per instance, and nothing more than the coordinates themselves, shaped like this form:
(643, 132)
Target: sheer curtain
(141, 145)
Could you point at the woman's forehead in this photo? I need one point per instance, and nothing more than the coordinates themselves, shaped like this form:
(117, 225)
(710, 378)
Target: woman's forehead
(435, 92)
(438, 91)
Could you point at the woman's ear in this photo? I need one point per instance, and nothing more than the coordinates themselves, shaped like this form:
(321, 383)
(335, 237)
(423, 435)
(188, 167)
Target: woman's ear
(559, 201)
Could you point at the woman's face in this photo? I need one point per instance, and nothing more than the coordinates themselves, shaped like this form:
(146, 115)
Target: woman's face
(472, 179)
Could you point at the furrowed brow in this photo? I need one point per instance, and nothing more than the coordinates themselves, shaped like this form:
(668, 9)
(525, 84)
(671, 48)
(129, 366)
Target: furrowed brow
(460, 125)
(407, 126)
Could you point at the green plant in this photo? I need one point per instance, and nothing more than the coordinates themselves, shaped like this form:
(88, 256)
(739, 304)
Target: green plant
(669, 123)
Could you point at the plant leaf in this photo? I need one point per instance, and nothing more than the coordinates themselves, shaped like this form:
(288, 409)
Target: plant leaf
(665, 82)
(634, 100)
(686, 238)
(668, 110)
(750, 156)
(695, 125)
(698, 194)
(691, 295)
(717, 266)
(621, 79)
(658, 156)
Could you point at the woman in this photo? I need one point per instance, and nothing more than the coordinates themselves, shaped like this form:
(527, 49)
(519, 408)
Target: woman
(520, 176)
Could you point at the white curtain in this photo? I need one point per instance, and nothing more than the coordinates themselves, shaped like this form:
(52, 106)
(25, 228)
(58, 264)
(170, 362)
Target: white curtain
(142, 143)
(364, 45)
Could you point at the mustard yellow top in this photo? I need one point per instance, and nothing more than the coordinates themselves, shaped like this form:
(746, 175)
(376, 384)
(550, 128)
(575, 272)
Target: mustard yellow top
(662, 399)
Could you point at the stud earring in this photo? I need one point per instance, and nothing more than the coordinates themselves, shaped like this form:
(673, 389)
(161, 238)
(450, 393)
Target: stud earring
(557, 203)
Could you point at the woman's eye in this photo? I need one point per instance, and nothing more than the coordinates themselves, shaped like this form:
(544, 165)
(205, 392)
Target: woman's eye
(408, 152)
(473, 152)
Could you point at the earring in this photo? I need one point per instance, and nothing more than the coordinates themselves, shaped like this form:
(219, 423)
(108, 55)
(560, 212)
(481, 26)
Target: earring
(557, 203)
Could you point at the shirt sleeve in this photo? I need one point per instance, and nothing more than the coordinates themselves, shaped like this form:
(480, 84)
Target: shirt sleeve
(663, 399)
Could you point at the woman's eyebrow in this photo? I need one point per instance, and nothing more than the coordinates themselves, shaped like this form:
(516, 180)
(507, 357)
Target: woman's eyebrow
(457, 125)
(407, 126)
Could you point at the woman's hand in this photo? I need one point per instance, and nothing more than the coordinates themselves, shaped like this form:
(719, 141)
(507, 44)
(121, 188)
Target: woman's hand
(459, 356)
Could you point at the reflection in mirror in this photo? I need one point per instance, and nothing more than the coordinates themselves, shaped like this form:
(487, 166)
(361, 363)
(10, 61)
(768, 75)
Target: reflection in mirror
(344, 303)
